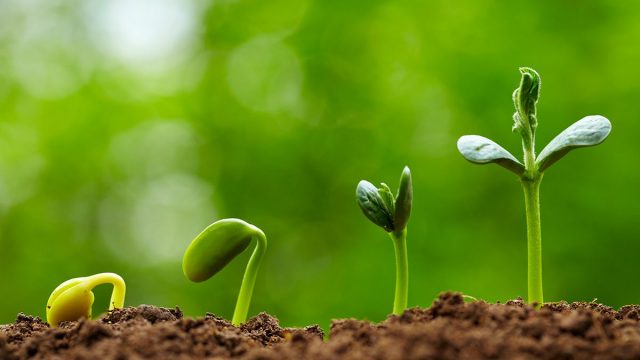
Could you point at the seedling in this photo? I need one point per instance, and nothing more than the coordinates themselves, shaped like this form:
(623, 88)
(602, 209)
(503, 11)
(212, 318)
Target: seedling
(72, 300)
(392, 214)
(589, 131)
(215, 247)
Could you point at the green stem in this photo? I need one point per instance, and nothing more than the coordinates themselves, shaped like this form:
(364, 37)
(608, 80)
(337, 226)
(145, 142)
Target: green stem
(249, 279)
(119, 288)
(402, 271)
(531, 179)
(534, 238)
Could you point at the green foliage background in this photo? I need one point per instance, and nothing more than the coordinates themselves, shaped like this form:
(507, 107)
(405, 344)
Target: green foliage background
(127, 127)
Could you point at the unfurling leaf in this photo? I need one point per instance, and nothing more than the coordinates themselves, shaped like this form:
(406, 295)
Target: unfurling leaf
(480, 150)
(589, 131)
(373, 206)
(387, 198)
(525, 98)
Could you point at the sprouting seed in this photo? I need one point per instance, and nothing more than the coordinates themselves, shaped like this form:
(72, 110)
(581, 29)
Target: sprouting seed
(215, 247)
(72, 300)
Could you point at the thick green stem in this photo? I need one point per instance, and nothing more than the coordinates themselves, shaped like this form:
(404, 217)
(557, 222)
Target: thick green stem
(402, 271)
(534, 238)
(249, 279)
(531, 179)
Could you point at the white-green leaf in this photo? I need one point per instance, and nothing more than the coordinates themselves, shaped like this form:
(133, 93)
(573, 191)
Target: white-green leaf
(480, 150)
(373, 206)
(589, 131)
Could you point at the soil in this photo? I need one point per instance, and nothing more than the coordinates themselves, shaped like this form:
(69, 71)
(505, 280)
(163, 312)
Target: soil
(449, 329)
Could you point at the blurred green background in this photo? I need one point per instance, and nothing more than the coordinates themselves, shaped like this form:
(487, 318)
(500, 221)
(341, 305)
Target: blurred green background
(128, 126)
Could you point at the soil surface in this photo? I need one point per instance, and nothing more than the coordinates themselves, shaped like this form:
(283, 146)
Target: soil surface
(449, 329)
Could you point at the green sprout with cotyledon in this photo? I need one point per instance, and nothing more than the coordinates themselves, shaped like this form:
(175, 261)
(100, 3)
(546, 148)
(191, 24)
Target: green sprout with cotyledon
(589, 131)
(215, 247)
(392, 214)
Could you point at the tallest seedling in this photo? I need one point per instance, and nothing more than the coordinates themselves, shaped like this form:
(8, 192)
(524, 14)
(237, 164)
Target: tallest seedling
(589, 131)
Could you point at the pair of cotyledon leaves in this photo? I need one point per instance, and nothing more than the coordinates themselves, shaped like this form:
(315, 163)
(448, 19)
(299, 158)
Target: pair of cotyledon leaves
(589, 131)
(382, 208)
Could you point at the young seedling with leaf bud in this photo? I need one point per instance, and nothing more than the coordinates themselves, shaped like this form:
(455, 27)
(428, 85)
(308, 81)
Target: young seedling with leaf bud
(72, 300)
(215, 247)
(589, 131)
(392, 214)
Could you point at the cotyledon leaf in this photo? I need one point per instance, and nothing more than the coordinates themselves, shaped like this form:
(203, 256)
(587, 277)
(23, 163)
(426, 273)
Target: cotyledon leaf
(373, 205)
(404, 200)
(480, 150)
(215, 247)
(588, 131)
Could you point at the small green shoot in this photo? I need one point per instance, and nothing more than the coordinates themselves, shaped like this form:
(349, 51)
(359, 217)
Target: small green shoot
(215, 247)
(469, 298)
(72, 300)
(589, 131)
(392, 214)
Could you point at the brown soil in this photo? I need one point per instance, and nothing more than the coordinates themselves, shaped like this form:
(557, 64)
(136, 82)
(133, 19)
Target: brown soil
(449, 329)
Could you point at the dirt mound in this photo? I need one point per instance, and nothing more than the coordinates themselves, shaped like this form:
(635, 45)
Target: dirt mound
(143, 332)
(449, 329)
(453, 329)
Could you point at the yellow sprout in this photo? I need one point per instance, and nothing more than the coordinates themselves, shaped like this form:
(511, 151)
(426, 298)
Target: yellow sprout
(72, 300)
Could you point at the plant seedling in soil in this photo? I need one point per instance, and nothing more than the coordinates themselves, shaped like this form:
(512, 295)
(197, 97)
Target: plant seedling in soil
(73, 299)
(392, 214)
(589, 131)
(215, 247)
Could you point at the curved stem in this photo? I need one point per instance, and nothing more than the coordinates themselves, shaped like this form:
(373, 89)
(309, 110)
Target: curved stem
(249, 279)
(534, 239)
(119, 288)
(402, 271)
